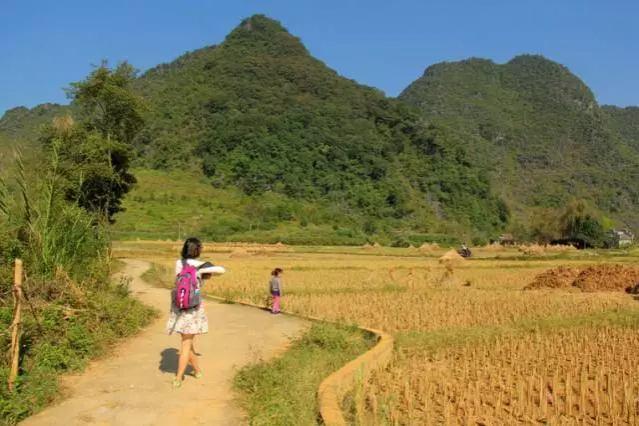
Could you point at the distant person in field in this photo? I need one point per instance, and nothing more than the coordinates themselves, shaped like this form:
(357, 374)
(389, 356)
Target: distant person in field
(187, 316)
(276, 289)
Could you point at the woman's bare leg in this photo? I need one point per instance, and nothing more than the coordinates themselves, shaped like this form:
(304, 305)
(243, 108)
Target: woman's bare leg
(185, 354)
(193, 358)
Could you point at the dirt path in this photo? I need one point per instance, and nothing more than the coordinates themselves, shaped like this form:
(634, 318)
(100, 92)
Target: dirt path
(133, 385)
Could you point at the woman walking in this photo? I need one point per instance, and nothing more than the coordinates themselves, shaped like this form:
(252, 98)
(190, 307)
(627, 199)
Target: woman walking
(187, 316)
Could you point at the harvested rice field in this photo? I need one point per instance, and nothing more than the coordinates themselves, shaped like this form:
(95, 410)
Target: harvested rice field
(509, 336)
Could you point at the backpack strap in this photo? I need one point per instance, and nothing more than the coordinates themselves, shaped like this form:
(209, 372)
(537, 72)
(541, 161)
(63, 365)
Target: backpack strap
(185, 263)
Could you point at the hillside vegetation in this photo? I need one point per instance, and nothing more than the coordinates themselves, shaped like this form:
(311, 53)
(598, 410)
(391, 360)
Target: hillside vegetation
(625, 121)
(55, 205)
(540, 131)
(261, 118)
(284, 147)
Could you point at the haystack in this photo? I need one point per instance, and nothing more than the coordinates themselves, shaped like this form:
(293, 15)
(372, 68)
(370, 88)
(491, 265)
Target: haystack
(590, 279)
(427, 248)
(561, 277)
(559, 248)
(532, 250)
(607, 278)
(450, 256)
(240, 252)
(280, 244)
(263, 251)
(376, 245)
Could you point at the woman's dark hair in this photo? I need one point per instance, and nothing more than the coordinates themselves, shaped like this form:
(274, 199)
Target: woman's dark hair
(192, 248)
(276, 272)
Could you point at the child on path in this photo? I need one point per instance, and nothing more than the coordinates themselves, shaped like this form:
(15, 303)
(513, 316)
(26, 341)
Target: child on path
(276, 289)
(190, 322)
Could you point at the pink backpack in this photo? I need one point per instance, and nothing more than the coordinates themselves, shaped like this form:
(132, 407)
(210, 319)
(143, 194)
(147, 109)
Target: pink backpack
(186, 293)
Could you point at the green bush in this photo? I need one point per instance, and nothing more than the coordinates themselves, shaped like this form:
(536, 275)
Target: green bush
(400, 242)
(479, 241)
(62, 336)
(74, 310)
(441, 239)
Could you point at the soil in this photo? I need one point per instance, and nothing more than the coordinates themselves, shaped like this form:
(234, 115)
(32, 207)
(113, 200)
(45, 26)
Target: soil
(561, 277)
(599, 278)
(607, 278)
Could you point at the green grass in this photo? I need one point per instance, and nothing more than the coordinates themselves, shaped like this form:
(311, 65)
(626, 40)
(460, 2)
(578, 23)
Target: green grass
(72, 310)
(157, 275)
(56, 340)
(171, 205)
(284, 391)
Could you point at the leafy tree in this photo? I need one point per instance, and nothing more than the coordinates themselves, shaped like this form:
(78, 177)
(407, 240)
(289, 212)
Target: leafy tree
(581, 224)
(543, 226)
(106, 103)
(96, 151)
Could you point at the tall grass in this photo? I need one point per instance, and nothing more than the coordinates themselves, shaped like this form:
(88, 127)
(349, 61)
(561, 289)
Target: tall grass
(57, 235)
(73, 312)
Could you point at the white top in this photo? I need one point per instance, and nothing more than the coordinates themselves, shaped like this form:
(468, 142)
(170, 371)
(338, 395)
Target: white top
(213, 270)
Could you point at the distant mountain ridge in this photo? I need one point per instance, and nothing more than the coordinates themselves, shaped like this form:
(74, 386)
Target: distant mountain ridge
(538, 128)
(257, 114)
(22, 123)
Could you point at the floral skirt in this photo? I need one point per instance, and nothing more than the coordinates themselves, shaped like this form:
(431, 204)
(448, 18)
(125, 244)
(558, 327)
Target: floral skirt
(193, 321)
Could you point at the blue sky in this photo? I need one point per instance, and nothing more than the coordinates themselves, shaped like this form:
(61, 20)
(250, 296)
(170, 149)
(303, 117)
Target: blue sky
(45, 44)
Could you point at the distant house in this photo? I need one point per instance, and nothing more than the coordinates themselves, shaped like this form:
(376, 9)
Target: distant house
(622, 238)
(507, 239)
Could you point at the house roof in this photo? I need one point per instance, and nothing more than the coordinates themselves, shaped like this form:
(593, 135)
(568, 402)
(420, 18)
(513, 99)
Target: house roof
(623, 235)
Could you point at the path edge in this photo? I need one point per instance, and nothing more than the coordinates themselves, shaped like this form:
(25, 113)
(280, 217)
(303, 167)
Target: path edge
(333, 388)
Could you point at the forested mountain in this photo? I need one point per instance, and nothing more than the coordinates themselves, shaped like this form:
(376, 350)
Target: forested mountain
(625, 121)
(286, 141)
(259, 114)
(24, 124)
(539, 129)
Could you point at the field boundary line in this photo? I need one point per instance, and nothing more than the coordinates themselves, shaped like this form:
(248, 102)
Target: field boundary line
(333, 388)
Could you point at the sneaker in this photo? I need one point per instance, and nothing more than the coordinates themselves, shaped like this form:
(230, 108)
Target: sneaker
(177, 383)
(198, 375)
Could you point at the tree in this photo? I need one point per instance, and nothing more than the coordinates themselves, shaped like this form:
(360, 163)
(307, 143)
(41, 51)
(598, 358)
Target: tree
(96, 151)
(106, 103)
(543, 226)
(581, 224)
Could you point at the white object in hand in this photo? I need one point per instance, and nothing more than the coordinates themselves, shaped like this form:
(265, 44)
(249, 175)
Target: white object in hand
(213, 270)
(207, 270)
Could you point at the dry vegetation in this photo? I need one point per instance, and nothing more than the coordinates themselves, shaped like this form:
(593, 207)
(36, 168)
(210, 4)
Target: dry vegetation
(472, 346)
(539, 250)
(563, 377)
